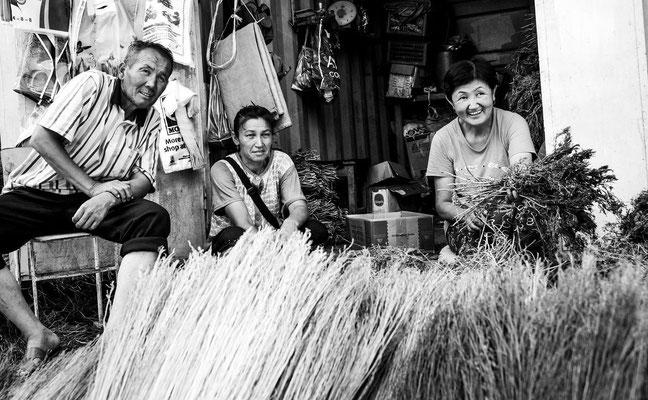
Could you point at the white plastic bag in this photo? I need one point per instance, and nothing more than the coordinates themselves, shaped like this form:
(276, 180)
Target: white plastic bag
(101, 31)
(168, 23)
(174, 154)
(179, 146)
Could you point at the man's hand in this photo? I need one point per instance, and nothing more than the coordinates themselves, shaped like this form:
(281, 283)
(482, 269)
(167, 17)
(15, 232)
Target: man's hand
(93, 211)
(288, 227)
(121, 190)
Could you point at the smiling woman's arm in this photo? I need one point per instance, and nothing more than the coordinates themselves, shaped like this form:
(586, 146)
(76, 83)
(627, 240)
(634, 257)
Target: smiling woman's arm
(521, 158)
(450, 211)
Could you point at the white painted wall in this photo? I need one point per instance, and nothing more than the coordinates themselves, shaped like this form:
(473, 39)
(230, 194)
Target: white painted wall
(594, 78)
(14, 108)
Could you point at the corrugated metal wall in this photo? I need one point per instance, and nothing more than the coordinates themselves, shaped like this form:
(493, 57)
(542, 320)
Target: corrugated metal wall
(355, 124)
(360, 123)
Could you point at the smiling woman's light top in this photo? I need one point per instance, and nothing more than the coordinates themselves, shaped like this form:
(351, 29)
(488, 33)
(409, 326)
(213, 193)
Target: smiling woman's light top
(452, 155)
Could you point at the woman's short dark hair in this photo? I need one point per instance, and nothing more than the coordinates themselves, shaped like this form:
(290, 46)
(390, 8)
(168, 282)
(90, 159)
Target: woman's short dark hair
(137, 46)
(252, 112)
(466, 71)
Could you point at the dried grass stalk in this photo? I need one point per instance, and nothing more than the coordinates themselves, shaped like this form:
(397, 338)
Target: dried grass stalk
(66, 377)
(273, 320)
(352, 334)
(217, 328)
(503, 333)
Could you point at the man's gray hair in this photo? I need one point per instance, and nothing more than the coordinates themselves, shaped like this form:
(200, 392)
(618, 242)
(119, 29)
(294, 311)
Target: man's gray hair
(138, 45)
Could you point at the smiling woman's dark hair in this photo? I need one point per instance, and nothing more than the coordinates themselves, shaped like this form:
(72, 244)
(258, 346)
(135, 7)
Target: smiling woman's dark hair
(466, 71)
(252, 112)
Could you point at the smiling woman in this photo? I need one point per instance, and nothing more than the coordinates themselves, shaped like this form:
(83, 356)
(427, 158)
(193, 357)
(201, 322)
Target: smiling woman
(481, 143)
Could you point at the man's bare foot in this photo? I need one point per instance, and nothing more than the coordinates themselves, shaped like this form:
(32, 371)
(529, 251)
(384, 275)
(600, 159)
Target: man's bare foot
(45, 339)
(40, 347)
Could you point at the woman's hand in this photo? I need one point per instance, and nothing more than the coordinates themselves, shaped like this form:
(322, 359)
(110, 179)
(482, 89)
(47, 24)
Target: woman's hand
(511, 195)
(474, 220)
(288, 227)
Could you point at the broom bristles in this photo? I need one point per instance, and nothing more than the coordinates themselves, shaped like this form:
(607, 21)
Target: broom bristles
(273, 320)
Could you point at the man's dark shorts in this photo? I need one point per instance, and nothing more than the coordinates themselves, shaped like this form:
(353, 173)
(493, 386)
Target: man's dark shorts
(139, 225)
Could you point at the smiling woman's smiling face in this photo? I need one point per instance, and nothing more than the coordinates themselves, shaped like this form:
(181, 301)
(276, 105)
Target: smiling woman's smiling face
(473, 102)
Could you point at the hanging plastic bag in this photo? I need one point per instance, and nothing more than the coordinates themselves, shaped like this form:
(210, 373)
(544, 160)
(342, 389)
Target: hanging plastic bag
(179, 146)
(174, 154)
(44, 68)
(218, 126)
(316, 67)
(303, 78)
(325, 72)
(169, 23)
(101, 31)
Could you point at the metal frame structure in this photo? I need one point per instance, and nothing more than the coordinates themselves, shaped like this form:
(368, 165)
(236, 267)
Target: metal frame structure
(36, 276)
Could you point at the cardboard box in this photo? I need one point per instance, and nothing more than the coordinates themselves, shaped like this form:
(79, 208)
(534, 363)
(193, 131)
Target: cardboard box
(403, 229)
(392, 189)
(403, 197)
(383, 201)
(418, 152)
(387, 173)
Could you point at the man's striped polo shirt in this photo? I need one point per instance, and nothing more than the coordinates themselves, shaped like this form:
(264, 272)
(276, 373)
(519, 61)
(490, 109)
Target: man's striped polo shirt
(87, 115)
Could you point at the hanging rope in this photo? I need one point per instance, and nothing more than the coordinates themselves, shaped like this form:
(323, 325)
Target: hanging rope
(212, 47)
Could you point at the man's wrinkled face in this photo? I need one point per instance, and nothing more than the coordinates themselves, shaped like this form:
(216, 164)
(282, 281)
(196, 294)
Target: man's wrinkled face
(144, 80)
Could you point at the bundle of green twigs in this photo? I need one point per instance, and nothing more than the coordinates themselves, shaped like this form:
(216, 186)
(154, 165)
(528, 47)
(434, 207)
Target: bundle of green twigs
(560, 190)
(524, 95)
(634, 222)
(612, 250)
(318, 184)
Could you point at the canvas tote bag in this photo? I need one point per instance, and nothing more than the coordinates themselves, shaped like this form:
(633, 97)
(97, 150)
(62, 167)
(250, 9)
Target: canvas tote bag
(245, 73)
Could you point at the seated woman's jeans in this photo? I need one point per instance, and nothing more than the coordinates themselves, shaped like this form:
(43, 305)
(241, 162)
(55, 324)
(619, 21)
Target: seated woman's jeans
(510, 221)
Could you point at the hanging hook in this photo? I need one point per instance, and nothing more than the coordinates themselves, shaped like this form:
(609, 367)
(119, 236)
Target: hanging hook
(431, 111)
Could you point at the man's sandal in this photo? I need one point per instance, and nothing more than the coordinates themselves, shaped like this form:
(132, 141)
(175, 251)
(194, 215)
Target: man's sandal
(35, 357)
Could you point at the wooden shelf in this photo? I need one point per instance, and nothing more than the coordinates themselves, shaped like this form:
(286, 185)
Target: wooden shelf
(433, 97)
(417, 98)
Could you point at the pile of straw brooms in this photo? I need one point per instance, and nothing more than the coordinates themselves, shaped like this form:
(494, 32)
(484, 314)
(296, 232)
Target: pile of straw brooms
(274, 320)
